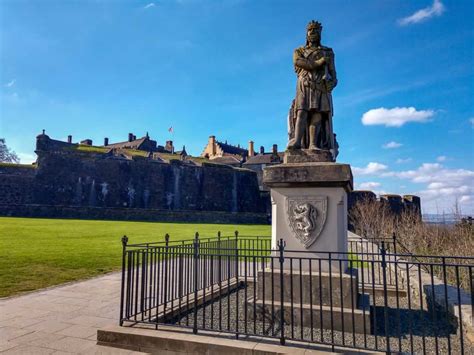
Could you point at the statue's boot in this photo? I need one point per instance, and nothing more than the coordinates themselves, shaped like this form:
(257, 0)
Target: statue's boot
(292, 144)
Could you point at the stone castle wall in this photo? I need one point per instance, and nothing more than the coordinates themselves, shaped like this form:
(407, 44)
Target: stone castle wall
(64, 177)
(17, 184)
(72, 179)
(396, 203)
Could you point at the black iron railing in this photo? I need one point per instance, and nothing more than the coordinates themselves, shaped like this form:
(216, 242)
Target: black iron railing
(363, 299)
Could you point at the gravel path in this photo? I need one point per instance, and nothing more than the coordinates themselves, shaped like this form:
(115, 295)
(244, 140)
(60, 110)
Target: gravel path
(409, 330)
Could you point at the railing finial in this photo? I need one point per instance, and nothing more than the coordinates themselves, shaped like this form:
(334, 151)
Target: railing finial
(124, 240)
(281, 244)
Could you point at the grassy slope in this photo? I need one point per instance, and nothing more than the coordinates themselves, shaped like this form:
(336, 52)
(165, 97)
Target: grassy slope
(15, 165)
(36, 253)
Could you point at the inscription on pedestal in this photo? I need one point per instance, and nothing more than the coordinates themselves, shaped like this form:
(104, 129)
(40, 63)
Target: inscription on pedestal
(307, 217)
(289, 174)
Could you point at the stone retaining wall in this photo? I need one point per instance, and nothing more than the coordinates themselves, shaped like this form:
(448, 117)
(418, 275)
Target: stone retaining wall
(434, 290)
(71, 183)
(132, 214)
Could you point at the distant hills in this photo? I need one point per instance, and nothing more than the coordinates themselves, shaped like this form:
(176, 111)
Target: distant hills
(445, 218)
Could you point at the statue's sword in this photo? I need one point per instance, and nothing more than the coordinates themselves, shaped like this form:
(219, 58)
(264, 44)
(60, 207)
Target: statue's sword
(326, 78)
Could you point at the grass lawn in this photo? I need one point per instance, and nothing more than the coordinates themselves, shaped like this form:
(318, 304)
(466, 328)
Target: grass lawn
(37, 253)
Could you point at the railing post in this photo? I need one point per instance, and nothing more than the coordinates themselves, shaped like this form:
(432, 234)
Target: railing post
(237, 282)
(165, 269)
(385, 296)
(394, 237)
(196, 257)
(281, 249)
(122, 288)
(236, 233)
(219, 269)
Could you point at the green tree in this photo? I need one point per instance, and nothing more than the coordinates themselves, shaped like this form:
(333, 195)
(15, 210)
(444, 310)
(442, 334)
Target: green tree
(6, 155)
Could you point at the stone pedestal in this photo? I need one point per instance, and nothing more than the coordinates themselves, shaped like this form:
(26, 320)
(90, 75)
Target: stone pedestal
(309, 212)
(309, 204)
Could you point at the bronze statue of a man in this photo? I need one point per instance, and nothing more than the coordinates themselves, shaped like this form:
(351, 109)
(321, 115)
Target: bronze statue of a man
(310, 118)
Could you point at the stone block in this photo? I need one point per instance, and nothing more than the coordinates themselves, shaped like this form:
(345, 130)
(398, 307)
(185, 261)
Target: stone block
(307, 156)
(319, 174)
(167, 340)
(316, 288)
(329, 234)
(318, 316)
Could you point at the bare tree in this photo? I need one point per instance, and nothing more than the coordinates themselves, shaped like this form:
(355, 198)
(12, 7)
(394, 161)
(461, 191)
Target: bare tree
(7, 155)
(373, 220)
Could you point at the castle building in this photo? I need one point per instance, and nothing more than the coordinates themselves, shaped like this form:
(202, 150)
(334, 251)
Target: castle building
(227, 154)
(257, 162)
(223, 153)
(144, 143)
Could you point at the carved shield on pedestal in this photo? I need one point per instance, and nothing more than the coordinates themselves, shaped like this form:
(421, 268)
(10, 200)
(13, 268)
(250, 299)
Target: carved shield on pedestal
(306, 216)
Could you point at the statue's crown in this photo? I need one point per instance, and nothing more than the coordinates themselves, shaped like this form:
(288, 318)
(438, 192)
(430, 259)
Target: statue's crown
(314, 25)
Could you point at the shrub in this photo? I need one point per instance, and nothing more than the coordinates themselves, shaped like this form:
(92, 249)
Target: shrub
(374, 221)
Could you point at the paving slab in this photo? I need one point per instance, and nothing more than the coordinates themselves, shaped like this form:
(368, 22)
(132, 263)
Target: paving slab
(62, 319)
(9, 333)
(37, 339)
(5, 345)
(79, 331)
(65, 320)
(28, 349)
(80, 346)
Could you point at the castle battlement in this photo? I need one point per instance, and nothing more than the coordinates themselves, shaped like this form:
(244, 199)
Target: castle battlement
(396, 203)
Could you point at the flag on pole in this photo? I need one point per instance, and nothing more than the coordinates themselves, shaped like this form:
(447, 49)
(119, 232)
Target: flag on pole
(170, 129)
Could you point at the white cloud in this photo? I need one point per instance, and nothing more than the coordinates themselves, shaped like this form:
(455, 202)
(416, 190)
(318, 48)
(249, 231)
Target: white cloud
(436, 185)
(439, 187)
(435, 172)
(10, 83)
(368, 185)
(436, 9)
(443, 186)
(441, 158)
(27, 158)
(150, 5)
(395, 117)
(392, 145)
(403, 161)
(372, 168)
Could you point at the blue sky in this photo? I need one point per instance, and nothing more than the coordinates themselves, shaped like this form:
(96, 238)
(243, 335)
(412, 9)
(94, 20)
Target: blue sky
(404, 112)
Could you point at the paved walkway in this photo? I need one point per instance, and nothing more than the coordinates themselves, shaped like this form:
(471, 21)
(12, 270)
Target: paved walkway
(61, 320)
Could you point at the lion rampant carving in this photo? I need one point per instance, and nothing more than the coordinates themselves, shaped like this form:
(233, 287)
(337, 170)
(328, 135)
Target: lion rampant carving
(305, 216)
